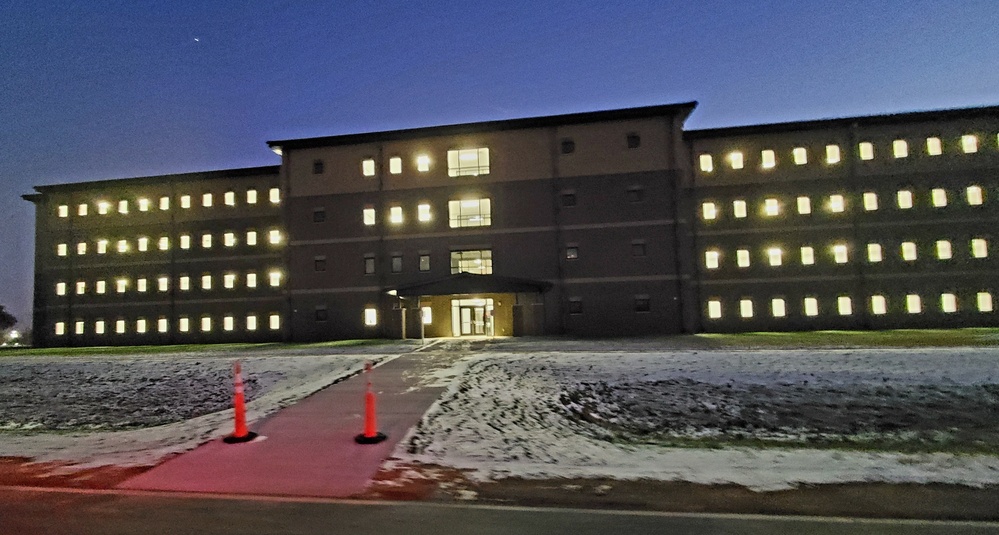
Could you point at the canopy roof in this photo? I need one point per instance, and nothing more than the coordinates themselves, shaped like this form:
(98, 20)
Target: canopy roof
(470, 283)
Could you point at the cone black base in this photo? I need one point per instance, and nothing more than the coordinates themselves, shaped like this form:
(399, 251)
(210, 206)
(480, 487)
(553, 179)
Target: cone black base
(378, 437)
(232, 439)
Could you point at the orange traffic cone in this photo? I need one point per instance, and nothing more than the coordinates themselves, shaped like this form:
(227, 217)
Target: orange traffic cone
(241, 433)
(370, 434)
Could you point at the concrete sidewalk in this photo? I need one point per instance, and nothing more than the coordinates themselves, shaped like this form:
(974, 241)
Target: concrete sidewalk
(307, 449)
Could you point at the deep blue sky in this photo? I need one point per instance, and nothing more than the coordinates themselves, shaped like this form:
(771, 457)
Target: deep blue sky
(99, 89)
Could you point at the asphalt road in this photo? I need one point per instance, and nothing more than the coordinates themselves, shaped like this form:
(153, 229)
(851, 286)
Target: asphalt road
(31, 512)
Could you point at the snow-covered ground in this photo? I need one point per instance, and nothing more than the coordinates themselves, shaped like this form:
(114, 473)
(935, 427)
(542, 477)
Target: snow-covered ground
(591, 414)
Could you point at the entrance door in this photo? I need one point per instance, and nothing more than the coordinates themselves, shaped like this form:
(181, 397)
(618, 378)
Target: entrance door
(473, 321)
(472, 317)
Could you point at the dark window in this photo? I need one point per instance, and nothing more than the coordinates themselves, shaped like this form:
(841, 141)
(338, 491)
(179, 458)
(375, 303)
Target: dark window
(571, 253)
(396, 264)
(319, 215)
(642, 304)
(318, 167)
(320, 263)
(638, 249)
(636, 194)
(424, 262)
(322, 314)
(634, 141)
(575, 306)
(568, 199)
(369, 265)
(568, 146)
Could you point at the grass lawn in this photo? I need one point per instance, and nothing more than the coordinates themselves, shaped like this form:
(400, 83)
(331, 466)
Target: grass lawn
(986, 336)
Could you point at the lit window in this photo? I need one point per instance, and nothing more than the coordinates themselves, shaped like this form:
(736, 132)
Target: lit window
(60, 288)
(99, 327)
(140, 325)
(122, 207)
(771, 207)
(163, 284)
(369, 216)
(943, 250)
(119, 326)
(395, 215)
(742, 257)
(800, 155)
(230, 198)
(428, 315)
(707, 165)
(251, 196)
(121, 285)
(368, 167)
(879, 305)
(948, 303)
(984, 302)
(162, 325)
(423, 163)
(969, 144)
(102, 246)
(870, 201)
(164, 203)
(251, 280)
(395, 165)
(714, 309)
(274, 236)
(709, 210)
(62, 249)
(101, 287)
(811, 306)
(840, 254)
(423, 212)
(739, 208)
(837, 203)
(185, 241)
(81, 287)
(185, 201)
(844, 305)
(913, 304)
(81, 209)
(468, 162)
(206, 241)
(81, 248)
(470, 213)
(184, 324)
(122, 246)
(274, 195)
(778, 308)
(804, 205)
(866, 150)
(143, 204)
(478, 262)
(769, 159)
(909, 252)
(775, 255)
(103, 207)
(184, 283)
(229, 280)
(206, 282)
(60, 328)
(899, 148)
(251, 237)
(735, 159)
(228, 323)
(979, 248)
(229, 239)
(975, 197)
(746, 308)
(274, 278)
(807, 256)
(832, 154)
(274, 321)
(370, 317)
(63, 210)
(711, 259)
(142, 244)
(206, 324)
(251, 322)
(874, 252)
(140, 285)
(904, 199)
(933, 146)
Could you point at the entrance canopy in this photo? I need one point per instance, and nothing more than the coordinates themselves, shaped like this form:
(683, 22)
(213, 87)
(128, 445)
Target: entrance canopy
(471, 283)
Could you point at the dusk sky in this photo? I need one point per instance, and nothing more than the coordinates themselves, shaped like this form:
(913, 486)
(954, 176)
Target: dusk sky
(99, 89)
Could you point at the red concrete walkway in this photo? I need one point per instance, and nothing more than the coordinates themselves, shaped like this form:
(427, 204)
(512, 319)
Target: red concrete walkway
(309, 449)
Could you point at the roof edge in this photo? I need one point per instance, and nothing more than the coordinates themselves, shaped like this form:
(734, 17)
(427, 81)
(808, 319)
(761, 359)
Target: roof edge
(196, 175)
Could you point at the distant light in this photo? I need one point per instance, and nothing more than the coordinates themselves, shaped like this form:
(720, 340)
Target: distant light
(393, 292)
(277, 150)
(13, 335)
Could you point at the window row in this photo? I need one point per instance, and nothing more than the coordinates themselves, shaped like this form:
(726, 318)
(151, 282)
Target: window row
(162, 243)
(478, 261)
(631, 140)
(878, 305)
(837, 203)
(146, 204)
(832, 153)
(371, 315)
(840, 253)
(642, 303)
(460, 162)
(461, 213)
(184, 324)
(207, 281)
